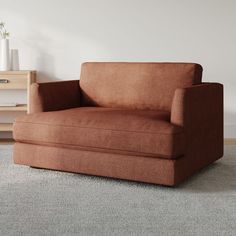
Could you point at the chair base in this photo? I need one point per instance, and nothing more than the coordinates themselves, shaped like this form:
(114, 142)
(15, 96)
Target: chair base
(137, 168)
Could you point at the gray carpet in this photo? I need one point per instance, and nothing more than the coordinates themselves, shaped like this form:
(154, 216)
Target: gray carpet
(42, 202)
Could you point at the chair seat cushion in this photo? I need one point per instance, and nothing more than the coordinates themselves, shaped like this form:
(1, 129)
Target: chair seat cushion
(133, 132)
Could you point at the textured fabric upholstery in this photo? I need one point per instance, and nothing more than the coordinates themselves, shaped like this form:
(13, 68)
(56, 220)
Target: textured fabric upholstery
(199, 111)
(54, 96)
(137, 132)
(145, 169)
(150, 122)
(135, 85)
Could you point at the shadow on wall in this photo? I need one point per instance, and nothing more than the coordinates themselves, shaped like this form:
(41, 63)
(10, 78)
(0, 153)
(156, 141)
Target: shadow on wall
(229, 124)
(230, 116)
(40, 44)
(45, 62)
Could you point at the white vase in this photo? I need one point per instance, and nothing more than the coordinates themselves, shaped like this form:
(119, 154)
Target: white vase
(14, 59)
(5, 55)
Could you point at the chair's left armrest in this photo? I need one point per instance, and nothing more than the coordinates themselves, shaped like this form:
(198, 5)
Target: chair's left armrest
(199, 110)
(53, 96)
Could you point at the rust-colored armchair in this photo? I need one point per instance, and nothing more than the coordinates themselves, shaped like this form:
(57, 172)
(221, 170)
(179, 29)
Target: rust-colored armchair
(149, 122)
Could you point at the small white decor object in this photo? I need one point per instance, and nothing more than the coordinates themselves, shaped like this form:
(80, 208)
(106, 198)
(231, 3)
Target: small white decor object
(14, 59)
(5, 54)
(5, 57)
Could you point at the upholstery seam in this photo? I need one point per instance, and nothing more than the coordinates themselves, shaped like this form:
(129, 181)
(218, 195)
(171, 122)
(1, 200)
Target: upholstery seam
(128, 131)
(131, 153)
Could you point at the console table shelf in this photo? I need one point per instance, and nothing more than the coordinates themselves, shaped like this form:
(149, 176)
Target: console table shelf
(5, 127)
(20, 107)
(15, 80)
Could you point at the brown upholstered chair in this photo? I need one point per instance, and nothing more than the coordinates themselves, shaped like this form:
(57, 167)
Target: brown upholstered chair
(149, 122)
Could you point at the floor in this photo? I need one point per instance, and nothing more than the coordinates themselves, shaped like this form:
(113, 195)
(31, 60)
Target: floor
(43, 202)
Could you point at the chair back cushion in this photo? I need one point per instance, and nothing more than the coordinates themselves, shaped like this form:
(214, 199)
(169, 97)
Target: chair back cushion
(135, 85)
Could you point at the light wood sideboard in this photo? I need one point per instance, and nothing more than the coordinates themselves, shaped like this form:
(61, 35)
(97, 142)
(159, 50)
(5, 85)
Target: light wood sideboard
(15, 80)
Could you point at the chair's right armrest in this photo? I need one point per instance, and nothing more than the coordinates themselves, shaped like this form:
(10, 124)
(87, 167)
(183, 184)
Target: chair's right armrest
(53, 96)
(199, 110)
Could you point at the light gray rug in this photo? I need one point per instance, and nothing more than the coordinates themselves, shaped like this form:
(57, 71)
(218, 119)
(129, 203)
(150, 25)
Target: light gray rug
(43, 202)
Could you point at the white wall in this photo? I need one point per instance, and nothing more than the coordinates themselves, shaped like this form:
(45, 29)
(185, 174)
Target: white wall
(56, 36)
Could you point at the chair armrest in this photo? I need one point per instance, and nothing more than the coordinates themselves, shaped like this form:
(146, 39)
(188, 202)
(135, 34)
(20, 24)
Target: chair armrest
(54, 96)
(199, 110)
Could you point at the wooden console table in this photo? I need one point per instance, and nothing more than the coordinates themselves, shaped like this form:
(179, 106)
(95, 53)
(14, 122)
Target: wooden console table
(15, 80)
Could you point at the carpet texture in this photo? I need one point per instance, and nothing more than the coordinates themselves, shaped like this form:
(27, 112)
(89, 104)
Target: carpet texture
(43, 202)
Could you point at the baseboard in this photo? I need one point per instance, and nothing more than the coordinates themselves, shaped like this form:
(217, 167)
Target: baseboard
(230, 141)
